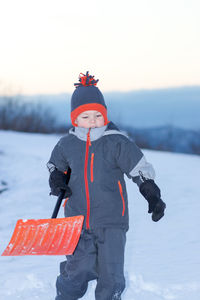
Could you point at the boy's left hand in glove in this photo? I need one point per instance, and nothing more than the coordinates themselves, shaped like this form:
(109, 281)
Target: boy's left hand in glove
(151, 193)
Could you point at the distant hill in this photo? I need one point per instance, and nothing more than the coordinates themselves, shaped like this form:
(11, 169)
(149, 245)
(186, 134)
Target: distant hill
(178, 107)
(167, 138)
(165, 119)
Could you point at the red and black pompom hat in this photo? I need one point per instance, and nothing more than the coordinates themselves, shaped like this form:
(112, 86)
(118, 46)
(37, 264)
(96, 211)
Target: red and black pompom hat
(87, 97)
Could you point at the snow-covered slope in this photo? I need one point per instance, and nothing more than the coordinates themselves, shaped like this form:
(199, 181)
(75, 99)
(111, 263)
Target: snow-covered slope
(162, 259)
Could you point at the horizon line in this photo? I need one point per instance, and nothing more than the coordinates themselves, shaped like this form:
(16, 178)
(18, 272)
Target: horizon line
(104, 92)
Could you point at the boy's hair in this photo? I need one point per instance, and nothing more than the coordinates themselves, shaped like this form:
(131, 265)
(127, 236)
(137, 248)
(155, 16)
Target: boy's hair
(87, 97)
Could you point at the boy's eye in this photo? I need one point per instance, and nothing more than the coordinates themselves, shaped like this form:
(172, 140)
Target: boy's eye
(85, 117)
(98, 116)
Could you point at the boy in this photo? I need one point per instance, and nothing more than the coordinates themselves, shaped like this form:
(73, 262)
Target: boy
(98, 155)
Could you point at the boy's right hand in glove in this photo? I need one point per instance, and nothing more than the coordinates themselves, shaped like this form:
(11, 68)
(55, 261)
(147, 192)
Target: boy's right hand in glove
(58, 182)
(151, 193)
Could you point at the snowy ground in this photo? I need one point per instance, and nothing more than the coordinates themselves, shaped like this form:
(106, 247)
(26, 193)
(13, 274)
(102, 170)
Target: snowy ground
(162, 259)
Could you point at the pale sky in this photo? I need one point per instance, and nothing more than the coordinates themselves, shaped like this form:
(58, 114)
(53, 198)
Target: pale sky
(127, 44)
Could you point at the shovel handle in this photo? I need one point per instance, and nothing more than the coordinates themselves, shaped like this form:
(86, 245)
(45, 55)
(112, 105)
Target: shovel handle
(58, 204)
(61, 196)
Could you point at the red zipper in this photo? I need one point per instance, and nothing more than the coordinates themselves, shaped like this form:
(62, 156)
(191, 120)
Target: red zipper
(121, 193)
(91, 167)
(88, 144)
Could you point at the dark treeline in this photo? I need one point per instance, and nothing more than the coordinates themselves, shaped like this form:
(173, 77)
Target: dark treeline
(29, 117)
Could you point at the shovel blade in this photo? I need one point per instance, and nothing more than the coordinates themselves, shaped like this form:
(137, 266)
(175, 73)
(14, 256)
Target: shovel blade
(45, 237)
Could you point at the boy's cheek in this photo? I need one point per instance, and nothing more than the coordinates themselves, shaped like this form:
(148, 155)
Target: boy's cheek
(83, 123)
(101, 122)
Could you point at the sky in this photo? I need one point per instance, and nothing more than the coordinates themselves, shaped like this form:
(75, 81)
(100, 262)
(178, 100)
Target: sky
(127, 45)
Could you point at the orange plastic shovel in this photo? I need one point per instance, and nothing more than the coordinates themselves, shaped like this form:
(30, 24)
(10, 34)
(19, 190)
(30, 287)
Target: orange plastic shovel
(46, 236)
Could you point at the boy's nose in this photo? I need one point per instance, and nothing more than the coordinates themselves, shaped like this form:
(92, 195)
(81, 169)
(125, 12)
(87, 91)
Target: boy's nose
(92, 120)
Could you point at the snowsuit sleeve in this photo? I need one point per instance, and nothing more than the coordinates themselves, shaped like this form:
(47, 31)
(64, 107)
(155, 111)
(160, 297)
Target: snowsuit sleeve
(57, 159)
(132, 161)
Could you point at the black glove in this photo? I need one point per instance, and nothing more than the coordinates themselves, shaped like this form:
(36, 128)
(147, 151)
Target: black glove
(151, 193)
(58, 181)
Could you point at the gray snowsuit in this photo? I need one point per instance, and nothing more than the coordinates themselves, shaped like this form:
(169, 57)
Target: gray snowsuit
(98, 158)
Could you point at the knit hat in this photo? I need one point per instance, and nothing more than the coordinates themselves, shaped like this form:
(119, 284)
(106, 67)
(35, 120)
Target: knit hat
(87, 97)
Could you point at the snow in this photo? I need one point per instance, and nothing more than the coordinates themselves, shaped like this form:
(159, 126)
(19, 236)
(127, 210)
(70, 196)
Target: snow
(162, 259)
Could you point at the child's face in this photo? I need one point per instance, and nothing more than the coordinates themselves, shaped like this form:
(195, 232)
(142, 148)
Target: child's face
(90, 119)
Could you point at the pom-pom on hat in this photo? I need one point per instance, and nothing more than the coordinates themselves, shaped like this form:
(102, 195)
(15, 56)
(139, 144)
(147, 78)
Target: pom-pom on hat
(87, 97)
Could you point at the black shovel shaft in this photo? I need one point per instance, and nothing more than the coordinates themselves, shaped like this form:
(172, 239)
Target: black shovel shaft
(61, 196)
(58, 204)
